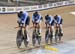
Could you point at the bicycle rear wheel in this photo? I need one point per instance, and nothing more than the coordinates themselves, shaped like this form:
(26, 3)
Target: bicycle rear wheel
(60, 35)
(47, 36)
(34, 37)
(19, 38)
(25, 38)
(39, 40)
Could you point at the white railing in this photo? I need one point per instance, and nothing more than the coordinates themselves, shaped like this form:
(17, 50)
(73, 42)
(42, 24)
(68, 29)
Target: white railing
(36, 7)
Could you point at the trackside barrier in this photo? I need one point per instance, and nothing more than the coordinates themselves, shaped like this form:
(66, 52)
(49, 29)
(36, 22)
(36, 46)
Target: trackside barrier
(36, 7)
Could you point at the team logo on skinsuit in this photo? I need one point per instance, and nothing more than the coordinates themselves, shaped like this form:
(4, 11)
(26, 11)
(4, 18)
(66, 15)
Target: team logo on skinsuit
(3, 10)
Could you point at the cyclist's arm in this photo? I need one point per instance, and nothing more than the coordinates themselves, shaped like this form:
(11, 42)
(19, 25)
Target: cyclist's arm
(51, 19)
(39, 18)
(58, 20)
(25, 17)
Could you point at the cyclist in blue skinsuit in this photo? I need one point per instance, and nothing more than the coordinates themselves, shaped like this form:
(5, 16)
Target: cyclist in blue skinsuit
(36, 18)
(23, 20)
(59, 21)
(49, 21)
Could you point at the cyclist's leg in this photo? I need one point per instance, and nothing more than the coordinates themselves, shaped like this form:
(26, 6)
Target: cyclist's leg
(56, 33)
(53, 30)
(46, 24)
(34, 34)
(52, 33)
(47, 34)
(61, 23)
(34, 24)
(26, 32)
(51, 36)
(25, 36)
(60, 33)
(38, 28)
(38, 33)
(61, 29)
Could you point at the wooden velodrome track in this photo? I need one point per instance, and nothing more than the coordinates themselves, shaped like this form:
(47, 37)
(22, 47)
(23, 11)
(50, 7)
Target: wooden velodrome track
(8, 33)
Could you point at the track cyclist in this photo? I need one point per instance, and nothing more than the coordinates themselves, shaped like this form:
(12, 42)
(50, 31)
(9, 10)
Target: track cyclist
(23, 20)
(49, 21)
(36, 19)
(58, 24)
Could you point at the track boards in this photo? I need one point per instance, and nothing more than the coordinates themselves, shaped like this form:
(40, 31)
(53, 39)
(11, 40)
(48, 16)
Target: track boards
(45, 47)
(30, 48)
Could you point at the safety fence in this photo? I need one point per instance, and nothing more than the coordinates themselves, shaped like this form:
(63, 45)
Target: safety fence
(36, 7)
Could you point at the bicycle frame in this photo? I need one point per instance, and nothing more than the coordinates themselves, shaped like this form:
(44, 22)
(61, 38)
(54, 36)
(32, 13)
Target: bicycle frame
(57, 34)
(48, 35)
(35, 36)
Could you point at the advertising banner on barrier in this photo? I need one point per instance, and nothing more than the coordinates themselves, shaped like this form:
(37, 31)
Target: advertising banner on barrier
(40, 7)
(26, 8)
(36, 7)
(70, 2)
(45, 6)
(50, 5)
(59, 3)
(19, 9)
(4, 10)
(11, 9)
(0, 9)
